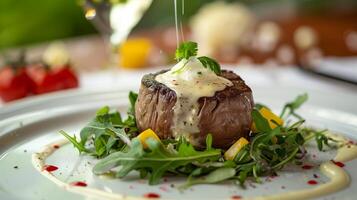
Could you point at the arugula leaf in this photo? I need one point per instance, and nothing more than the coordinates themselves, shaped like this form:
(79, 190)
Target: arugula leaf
(210, 64)
(243, 155)
(130, 123)
(215, 176)
(74, 141)
(103, 111)
(321, 140)
(110, 133)
(101, 121)
(291, 107)
(242, 176)
(299, 100)
(260, 122)
(269, 150)
(186, 50)
(158, 159)
(107, 131)
(132, 99)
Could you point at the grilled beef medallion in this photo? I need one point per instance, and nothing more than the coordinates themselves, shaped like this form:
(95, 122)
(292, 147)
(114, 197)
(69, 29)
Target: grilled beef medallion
(224, 113)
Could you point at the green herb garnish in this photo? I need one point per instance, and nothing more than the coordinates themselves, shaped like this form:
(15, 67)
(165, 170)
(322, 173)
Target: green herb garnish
(186, 50)
(211, 64)
(189, 49)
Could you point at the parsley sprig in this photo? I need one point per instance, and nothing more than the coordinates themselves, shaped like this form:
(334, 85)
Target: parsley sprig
(186, 50)
(189, 49)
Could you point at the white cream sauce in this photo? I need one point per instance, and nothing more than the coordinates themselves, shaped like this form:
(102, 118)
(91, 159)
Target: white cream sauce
(38, 161)
(190, 81)
(339, 178)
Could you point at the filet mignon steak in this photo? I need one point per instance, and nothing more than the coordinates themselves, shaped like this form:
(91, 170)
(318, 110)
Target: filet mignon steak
(226, 115)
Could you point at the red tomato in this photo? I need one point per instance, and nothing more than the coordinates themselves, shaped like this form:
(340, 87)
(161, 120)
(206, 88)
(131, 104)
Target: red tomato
(49, 80)
(14, 83)
(67, 77)
(44, 80)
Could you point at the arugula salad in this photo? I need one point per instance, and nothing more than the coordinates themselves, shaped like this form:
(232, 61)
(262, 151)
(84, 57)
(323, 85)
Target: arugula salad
(270, 141)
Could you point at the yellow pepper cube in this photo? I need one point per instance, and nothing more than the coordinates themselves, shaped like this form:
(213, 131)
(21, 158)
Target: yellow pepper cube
(231, 153)
(148, 133)
(270, 116)
(134, 53)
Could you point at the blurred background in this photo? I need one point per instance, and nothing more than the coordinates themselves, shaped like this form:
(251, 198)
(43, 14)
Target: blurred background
(319, 36)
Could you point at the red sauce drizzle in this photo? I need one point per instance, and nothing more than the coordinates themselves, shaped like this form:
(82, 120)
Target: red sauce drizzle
(56, 146)
(340, 164)
(236, 197)
(307, 167)
(312, 182)
(50, 168)
(151, 195)
(79, 183)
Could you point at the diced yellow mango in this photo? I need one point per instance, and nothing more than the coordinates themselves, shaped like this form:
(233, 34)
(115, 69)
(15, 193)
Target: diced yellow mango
(269, 115)
(134, 53)
(148, 133)
(231, 153)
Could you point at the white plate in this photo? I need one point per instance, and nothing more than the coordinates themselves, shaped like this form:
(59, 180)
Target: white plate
(24, 134)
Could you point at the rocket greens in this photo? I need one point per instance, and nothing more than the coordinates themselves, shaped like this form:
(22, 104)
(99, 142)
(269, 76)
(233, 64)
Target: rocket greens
(113, 140)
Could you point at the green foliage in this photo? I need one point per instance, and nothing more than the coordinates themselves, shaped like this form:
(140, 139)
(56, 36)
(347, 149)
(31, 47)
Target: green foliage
(113, 140)
(189, 49)
(292, 106)
(215, 176)
(107, 131)
(271, 149)
(260, 122)
(186, 50)
(25, 22)
(210, 64)
(74, 141)
(157, 160)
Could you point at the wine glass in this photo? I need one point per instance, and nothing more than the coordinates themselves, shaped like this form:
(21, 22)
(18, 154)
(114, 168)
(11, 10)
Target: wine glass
(115, 19)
